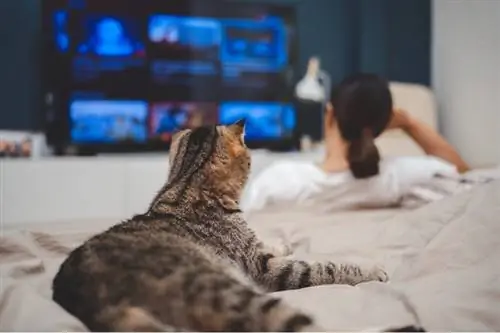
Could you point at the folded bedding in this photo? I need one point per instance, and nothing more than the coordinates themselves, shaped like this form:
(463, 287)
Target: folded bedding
(443, 185)
(442, 260)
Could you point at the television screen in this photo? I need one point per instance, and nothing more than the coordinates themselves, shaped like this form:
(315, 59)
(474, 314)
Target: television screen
(108, 121)
(137, 71)
(170, 117)
(184, 47)
(254, 45)
(60, 28)
(264, 120)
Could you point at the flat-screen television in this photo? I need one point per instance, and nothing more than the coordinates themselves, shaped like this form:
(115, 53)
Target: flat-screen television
(127, 74)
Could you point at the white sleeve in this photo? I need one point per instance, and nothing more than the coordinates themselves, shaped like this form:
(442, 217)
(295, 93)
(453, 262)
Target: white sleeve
(258, 191)
(282, 181)
(400, 175)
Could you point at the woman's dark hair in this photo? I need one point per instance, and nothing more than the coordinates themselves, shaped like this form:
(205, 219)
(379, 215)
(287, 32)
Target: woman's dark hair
(362, 108)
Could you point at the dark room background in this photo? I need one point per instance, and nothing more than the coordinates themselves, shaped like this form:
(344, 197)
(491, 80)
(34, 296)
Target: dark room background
(388, 37)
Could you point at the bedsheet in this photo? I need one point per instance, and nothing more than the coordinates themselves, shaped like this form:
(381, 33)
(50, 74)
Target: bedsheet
(442, 261)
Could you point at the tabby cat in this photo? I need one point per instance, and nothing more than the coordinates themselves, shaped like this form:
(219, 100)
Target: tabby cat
(191, 262)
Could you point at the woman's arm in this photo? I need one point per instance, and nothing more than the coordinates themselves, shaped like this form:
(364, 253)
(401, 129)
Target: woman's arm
(428, 139)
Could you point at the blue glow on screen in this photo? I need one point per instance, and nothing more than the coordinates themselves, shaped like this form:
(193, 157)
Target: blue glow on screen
(255, 43)
(60, 26)
(264, 120)
(96, 121)
(191, 31)
(109, 36)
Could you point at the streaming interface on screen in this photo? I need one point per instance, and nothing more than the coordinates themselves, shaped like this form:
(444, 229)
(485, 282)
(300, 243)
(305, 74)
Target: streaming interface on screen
(105, 120)
(185, 48)
(170, 117)
(96, 121)
(134, 75)
(263, 120)
(252, 50)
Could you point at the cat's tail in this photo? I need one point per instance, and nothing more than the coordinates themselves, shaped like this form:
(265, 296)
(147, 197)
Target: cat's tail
(131, 319)
(267, 313)
(272, 315)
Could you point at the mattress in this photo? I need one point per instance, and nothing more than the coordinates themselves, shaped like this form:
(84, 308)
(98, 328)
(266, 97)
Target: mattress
(442, 261)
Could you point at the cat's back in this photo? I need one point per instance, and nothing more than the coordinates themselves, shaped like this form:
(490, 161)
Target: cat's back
(125, 260)
(154, 244)
(141, 241)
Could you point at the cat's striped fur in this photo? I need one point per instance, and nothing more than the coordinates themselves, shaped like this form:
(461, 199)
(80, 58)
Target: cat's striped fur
(191, 262)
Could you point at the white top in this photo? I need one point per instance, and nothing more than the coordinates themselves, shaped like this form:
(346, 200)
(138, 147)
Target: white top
(294, 181)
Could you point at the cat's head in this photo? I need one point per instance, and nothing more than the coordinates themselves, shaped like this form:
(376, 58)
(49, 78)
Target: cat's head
(216, 154)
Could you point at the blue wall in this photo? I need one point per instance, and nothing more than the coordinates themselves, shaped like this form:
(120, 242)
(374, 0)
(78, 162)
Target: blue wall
(19, 64)
(389, 37)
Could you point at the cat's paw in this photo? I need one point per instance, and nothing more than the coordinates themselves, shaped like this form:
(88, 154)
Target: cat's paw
(377, 273)
(285, 250)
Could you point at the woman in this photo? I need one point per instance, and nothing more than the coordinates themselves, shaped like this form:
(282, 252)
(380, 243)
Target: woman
(352, 173)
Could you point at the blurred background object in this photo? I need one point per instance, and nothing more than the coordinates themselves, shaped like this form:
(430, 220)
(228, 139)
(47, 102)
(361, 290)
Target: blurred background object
(315, 85)
(312, 92)
(21, 144)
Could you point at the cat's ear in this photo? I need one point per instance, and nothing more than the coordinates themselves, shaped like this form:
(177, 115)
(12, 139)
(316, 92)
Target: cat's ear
(238, 128)
(240, 123)
(177, 134)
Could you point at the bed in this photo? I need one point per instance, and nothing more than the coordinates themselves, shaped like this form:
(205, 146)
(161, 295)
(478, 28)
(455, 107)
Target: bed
(442, 260)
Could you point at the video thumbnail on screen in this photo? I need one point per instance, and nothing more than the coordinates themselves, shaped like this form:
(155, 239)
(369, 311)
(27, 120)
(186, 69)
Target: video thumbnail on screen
(110, 36)
(185, 37)
(170, 117)
(265, 120)
(108, 121)
(106, 45)
(184, 45)
(259, 45)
